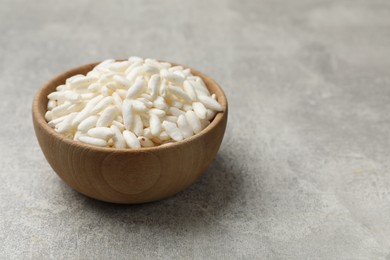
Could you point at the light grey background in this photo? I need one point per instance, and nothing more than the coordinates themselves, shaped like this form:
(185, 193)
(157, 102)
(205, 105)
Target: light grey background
(303, 171)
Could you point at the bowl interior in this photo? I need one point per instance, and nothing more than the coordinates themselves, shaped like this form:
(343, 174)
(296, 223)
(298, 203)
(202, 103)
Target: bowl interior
(40, 108)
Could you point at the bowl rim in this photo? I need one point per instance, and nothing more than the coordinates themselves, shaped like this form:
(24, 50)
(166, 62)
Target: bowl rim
(40, 118)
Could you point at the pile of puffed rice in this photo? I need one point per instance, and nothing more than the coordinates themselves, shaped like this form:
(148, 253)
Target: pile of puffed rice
(132, 104)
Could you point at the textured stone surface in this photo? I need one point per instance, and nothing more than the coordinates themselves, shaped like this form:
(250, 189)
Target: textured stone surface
(303, 172)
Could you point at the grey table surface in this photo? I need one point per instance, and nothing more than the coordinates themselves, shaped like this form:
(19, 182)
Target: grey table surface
(303, 171)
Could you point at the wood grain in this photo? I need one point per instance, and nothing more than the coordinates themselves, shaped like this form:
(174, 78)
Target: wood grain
(128, 175)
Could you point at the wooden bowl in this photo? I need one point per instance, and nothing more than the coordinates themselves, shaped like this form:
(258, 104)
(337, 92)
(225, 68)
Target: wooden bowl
(127, 175)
